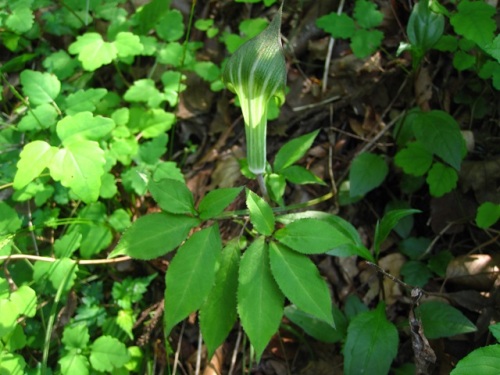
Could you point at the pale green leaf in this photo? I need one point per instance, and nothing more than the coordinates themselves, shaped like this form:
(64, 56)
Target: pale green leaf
(260, 301)
(441, 179)
(482, 361)
(191, 275)
(144, 90)
(218, 313)
(156, 122)
(14, 364)
(293, 151)
(207, 70)
(171, 26)
(83, 126)
(20, 20)
(42, 117)
(154, 235)
(300, 281)
(367, 172)
(24, 298)
(76, 336)
(442, 320)
(261, 214)
(84, 100)
(311, 236)
(40, 88)
(172, 196)
(216, 201)
(79, 166)
(297, 174)
(108, 353)
(67, 244)
(51, 276)
(34, 158)
(127, 44)
(93, 51)
(74, 363)
(371, 344)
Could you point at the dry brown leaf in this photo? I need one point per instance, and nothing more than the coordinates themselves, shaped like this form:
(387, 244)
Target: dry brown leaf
(477, 271)
(392, 264)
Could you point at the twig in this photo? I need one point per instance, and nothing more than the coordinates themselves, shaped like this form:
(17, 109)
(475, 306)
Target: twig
(235, 352)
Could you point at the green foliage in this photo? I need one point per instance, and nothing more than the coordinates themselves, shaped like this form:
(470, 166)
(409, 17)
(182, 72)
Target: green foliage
(367, 172)
(360, 28)
(487, 214)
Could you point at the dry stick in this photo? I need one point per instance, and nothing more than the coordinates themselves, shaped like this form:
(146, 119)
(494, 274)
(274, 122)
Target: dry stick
(198, 355)
(235, 352)
(331, 43)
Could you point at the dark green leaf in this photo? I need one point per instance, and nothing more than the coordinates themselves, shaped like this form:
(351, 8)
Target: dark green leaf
(474, 20)
(424, 27)
(367, 172)
(442, 320)
(172, 196)
(338, 25)
(415, 159)
(293, 150)
(388, 222)
(441, 179)
(297, 174)
(216, 201)
(482, 361)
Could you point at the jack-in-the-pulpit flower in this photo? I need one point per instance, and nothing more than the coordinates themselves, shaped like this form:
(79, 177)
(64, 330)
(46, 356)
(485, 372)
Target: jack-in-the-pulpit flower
(256, 73)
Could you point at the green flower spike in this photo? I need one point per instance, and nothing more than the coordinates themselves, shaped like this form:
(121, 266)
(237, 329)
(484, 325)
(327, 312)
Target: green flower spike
(256, 72)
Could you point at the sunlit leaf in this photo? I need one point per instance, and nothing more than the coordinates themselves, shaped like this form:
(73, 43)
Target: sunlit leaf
(93, 51)
(261, 214)
(172, 196)
(40, 87)
(34, 158)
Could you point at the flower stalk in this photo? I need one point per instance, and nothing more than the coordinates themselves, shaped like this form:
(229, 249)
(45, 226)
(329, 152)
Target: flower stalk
(256, 73)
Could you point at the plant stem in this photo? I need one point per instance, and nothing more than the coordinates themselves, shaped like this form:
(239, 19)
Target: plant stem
(262, 186)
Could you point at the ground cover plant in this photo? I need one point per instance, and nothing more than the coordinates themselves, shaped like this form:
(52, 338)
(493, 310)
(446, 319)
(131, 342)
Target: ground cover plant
(249, 187)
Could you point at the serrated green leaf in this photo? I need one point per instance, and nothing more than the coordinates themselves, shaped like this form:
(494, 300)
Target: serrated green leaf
(416, 273)
(84, 100)
(415, 159)
(366, 42)
(442, 320)
(13, 364)
(474, 20)
(297, 174)
(40, 88)
(125, 319)
(371, 344)
(172, 86)
(154, 235)
(216, 201)
(144, 90)
(261, 214)
(311, 236)
(25, 301)
(260, 301)
(93, 51)
(172, 196)
(34, 158)
(10, 222)
(74, 363)
(127, 44)
(61, 64)
(79, 166)
(20, 20)
(367, 172)
(218, 313)
(441, 179)
(42, 117)
(156, 122)
(293, 150)
(76, 336)
(366, 14)
(387, 224)
(482, 361)
(207, 70)
(149, 14)
(463, 60)
(488, 214)
(108, 353)
(338, 25)
(171, 26)
(300, 281)
(152, 151)
(191, 275)
(494, 50)
(83, 126)
(61, 273)
(67, 244)
(276, 185)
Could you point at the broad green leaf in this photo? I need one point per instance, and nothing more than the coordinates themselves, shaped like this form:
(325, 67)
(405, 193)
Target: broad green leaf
(311, 236)
(338, 25)
(74, 363)
(367, 172)
(488, 214)
(172, 196)
(261, 214)
(191, 275)
(34, 158)
(297, 174)
(108, 353)
(371, 344)
(40, 88)
(79, 166)
(10, 222)
(387, 224)
(366, 14)
(172, 86)
(424, 27)
(25, 301)
(463, 60)
(13, 364)
(366, 42)
(144, 90)
(276, 185)
(207, 70)
(83, 126)
(20, 20)
(168, 169)
(8, 318)
(482, 361)
(316, 328)
(127, 44)
(415, 273)
(216, 201)
(42, 117)
(93, 51)
(61, 64)
(474, 20)
(415, 159)
(442, 320)
(156, 122)
(149, 14)
(119, 220)
(171, 54)
(440, 134)
(51, 276)
(293, 150)
(154, 235)
(494, 50)
(171, 26)
(84, 100)
(151, 152)
(76, 336)
(67, 244)
(441, 179)
(300, 281)
(108, 186)
(95, 239)
(260, 301)
(495, 330)
(218, 313)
